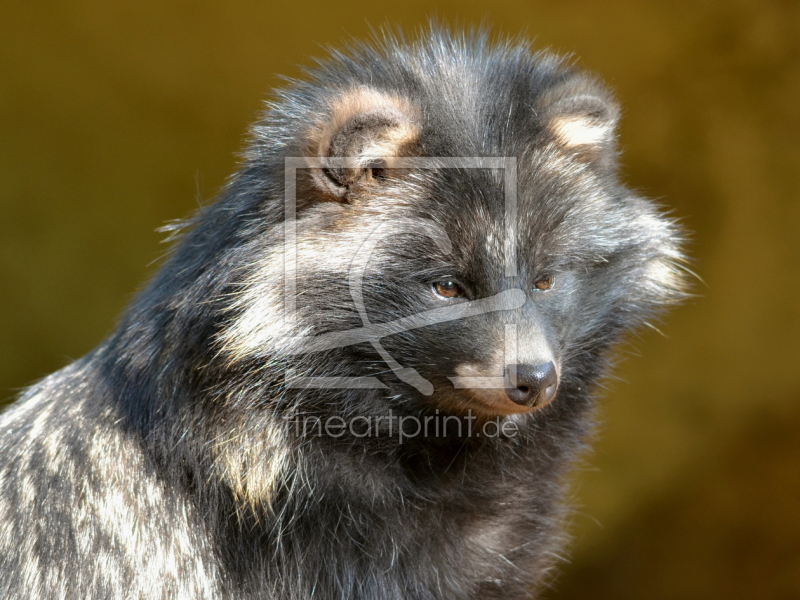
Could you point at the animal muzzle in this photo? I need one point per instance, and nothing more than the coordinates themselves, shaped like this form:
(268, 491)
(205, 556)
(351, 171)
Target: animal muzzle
(532, 385)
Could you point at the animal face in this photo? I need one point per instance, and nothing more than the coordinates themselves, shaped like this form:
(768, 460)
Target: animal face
(462, 251)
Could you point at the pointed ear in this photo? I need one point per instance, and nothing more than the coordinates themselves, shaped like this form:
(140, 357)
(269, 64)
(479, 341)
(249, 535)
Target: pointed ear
(582, 118)
(361, 134)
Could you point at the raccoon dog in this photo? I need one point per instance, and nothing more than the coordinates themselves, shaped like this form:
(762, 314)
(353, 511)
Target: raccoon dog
(363, 371)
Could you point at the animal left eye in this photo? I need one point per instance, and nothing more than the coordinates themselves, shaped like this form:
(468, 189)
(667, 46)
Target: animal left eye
(448, 289)
(543, 283)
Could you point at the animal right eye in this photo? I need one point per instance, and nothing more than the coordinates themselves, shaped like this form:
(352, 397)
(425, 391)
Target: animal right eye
(448, 289)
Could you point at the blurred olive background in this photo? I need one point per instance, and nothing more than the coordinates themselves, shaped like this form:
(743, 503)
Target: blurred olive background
(117, 116)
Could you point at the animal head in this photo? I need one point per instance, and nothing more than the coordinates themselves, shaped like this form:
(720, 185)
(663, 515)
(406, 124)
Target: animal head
(447, 230)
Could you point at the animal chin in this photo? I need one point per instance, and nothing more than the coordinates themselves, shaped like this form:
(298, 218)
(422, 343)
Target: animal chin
(492, 403)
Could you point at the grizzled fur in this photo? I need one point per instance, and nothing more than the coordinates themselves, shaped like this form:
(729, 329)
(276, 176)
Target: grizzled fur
(168, 462)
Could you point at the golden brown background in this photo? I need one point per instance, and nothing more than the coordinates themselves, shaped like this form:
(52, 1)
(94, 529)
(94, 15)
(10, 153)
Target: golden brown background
(117, 116)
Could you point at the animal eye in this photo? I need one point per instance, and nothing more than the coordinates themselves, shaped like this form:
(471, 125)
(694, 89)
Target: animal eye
(448, 289)
(543, 283)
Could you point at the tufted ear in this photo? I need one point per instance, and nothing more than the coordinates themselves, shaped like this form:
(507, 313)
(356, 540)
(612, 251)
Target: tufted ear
(582, 118)
(361, 134)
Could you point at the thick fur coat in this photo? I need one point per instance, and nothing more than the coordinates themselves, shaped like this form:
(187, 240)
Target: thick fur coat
(452, 205)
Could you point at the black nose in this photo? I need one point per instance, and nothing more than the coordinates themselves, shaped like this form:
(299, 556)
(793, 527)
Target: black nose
(536, 384)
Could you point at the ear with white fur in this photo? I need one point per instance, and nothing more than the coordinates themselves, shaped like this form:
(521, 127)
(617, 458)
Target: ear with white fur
(582, 119)
(358, 138)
